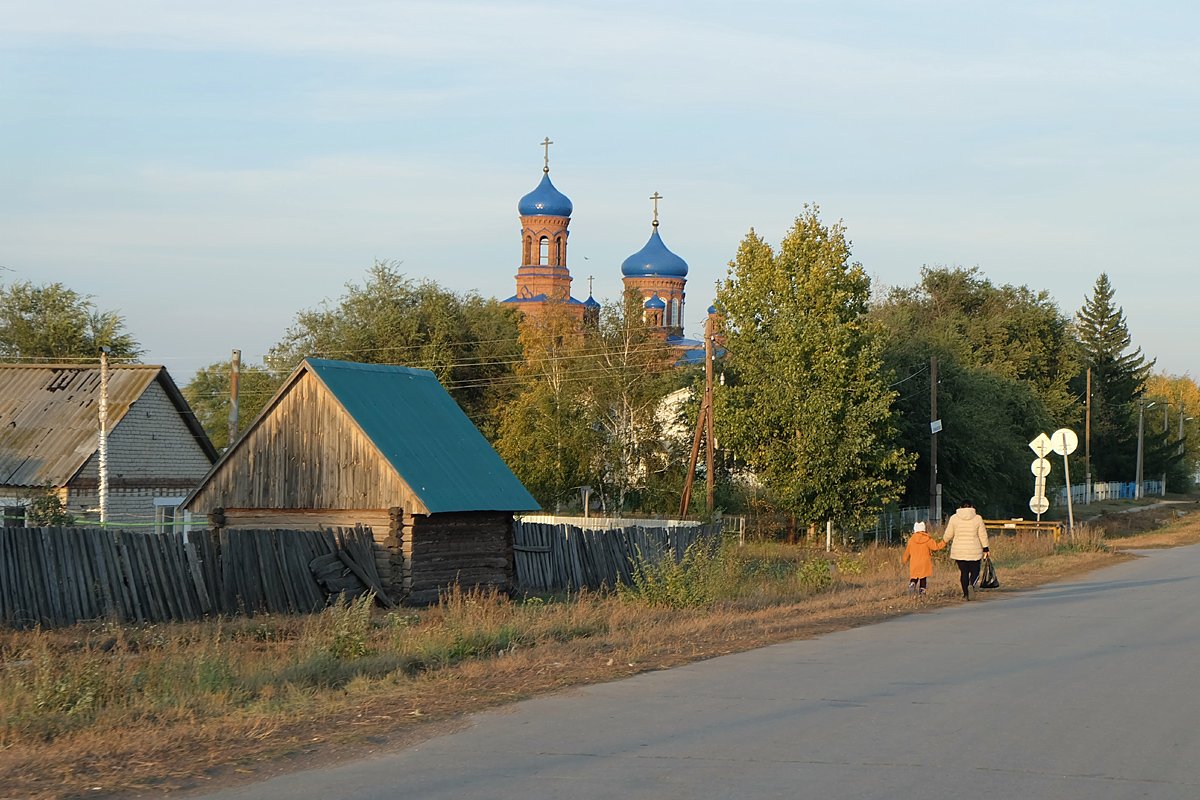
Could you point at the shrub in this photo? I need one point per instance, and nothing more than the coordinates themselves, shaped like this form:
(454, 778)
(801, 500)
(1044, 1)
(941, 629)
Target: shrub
(815, 575)
(706, 573)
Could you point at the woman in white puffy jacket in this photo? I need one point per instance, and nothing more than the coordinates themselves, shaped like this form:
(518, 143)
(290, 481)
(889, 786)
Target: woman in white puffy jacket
(967, 536)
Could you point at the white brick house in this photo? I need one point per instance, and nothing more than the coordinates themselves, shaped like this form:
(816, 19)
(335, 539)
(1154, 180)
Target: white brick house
(49, 439)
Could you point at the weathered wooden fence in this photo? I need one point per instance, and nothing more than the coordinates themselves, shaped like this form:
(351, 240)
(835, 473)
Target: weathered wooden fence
(59, 576)
(562, 556)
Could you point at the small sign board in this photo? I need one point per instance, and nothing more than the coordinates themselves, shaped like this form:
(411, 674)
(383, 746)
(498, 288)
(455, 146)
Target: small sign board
(1040, 468)
(1064, 441)
(935, 426)
(1041, 445)
(1038, 504)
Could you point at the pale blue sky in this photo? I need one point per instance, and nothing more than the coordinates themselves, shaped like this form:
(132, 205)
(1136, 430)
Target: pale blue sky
(210, 168)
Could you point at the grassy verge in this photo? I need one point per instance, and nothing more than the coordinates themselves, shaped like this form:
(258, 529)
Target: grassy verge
(104, 709)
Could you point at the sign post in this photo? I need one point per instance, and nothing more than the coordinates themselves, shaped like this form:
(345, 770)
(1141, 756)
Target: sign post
(1064, 443)
(1038, 504)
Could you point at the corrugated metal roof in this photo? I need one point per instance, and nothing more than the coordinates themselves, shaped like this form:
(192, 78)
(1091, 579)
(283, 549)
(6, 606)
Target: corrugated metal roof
(49, 417)
(425, 436)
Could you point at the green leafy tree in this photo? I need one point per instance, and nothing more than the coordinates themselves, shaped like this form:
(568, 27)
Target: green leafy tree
(468, 341)
(1119, 376)
(588, 412)
(45, 509)
(208, 393)
(1005, 354)
(545, 434)
(805, 403)
(631, 371)
(52, 322)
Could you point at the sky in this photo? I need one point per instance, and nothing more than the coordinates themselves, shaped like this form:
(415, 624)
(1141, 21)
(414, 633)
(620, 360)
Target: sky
(208, 170)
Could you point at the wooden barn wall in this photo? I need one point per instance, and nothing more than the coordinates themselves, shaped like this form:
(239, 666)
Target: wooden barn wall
(306, 453)
(431, 553)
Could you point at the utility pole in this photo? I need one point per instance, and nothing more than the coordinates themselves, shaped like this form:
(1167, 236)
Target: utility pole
(235, 374)
(934, 427)
(1166, 424)
(709, 464)
(102, 483)
(1137, 485)
(704, 428)
(1087, 441)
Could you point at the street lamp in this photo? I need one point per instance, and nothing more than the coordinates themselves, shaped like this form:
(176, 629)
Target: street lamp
(1142, 406)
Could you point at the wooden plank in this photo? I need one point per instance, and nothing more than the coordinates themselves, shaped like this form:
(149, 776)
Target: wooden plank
(89, 576)
(152, 579)
(134, 609)
(380, 595)
(192, 552)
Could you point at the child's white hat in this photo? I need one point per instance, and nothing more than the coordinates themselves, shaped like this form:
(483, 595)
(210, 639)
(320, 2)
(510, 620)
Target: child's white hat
(918, 527)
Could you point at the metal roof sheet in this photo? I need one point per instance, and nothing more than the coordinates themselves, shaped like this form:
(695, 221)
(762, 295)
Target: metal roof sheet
(49, 417)
(425, 436)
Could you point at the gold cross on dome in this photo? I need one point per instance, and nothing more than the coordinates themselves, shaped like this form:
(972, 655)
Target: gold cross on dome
(546, 144)
(656, 197)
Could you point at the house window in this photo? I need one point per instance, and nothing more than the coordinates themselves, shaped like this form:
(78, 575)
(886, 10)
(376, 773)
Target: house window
(14, 517)
(166, 512)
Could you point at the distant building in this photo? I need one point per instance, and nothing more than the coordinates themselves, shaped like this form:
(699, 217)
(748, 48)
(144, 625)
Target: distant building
(49, 440)
(658, 275)
(383, 446)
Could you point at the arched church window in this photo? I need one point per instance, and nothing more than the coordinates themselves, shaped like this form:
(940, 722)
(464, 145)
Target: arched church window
(544, 251)
(528, 250)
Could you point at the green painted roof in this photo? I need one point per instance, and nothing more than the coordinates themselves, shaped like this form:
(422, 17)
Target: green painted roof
(425, 436)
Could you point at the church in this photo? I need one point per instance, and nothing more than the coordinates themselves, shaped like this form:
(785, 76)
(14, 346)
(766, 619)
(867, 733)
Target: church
(658, 275)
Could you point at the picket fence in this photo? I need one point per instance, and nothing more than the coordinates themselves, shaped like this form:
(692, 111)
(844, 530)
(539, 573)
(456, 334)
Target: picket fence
(60, 576)
(559, 555)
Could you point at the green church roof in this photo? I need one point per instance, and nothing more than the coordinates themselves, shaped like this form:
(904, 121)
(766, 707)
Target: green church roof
(425, 436)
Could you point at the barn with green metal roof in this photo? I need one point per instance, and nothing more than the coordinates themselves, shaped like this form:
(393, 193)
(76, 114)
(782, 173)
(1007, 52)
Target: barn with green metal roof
(383, 446)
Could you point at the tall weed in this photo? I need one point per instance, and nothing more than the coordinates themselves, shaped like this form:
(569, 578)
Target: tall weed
(705, 574)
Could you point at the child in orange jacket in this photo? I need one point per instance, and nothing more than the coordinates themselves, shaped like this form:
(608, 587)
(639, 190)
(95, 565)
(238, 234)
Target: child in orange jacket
(919, 557)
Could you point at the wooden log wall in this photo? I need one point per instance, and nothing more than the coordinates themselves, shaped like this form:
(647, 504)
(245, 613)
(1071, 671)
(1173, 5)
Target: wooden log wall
(60, 576)
(550, 557)
(469, 549)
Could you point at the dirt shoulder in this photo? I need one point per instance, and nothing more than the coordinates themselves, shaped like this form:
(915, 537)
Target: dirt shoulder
(357, 723)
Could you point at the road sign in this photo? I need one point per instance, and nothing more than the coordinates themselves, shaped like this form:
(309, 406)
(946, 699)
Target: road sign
(1041, 445)
(1064, 441)
(1039, 504)
(1040, 468)
(935, 426)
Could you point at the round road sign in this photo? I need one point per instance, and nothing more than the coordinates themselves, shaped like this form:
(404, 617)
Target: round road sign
(1039, 505)
(1040, 467)
(1064, 441)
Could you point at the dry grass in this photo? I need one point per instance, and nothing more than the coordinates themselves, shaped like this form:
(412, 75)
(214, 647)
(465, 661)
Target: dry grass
(109, 709)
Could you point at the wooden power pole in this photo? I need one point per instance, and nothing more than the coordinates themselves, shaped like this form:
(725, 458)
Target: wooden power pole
(235, 374)
(1087, 441)
(704, 429)
(934, 426)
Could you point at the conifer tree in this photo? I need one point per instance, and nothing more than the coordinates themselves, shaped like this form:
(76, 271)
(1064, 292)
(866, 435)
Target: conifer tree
(1118, 381)
(805, 403)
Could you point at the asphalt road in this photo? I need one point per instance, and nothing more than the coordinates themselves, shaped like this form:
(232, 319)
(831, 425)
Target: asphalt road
(1084, 690)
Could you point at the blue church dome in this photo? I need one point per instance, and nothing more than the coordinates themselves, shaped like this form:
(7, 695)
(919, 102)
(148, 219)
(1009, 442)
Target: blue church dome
(591, 302)
(545, 201)
(654, 261)
(655, 302)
